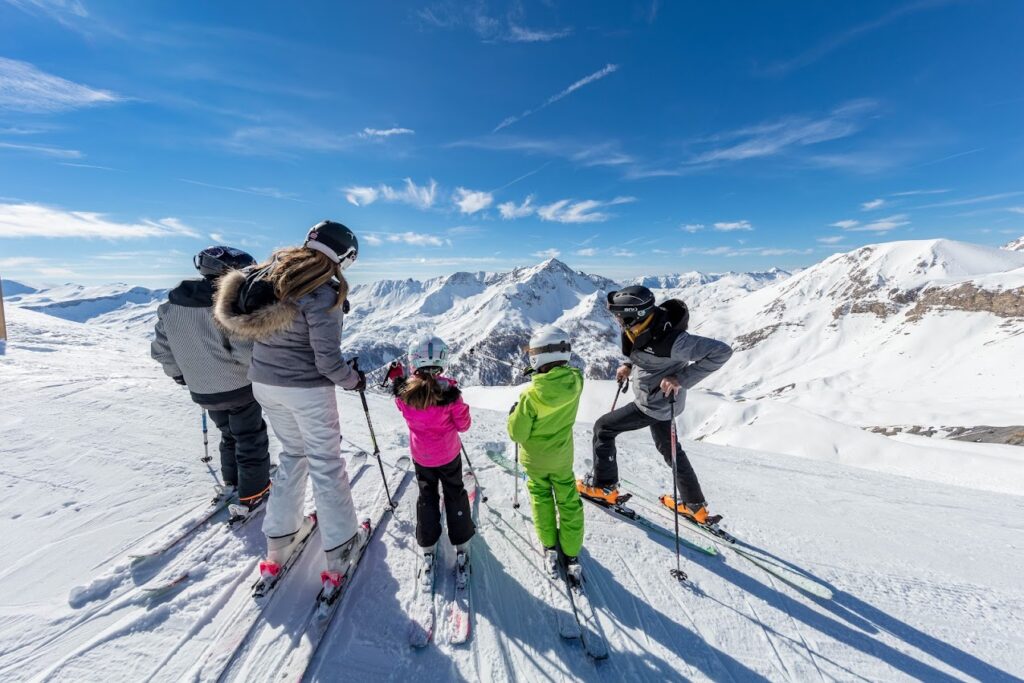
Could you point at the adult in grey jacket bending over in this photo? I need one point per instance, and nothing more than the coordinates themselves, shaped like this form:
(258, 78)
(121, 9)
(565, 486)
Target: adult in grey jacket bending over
(196, 353)
(664, 360)
(291, 307)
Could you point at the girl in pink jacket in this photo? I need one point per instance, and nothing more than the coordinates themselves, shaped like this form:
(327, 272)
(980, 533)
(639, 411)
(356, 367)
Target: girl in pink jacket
(435, 412)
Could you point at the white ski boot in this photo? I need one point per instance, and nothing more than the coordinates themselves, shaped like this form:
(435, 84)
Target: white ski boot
(340, 559)
(280, 548)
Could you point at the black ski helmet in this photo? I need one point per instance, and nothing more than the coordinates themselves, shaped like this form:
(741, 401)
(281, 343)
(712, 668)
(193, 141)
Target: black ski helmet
(631, 305)
(335, 240)
(213, 262)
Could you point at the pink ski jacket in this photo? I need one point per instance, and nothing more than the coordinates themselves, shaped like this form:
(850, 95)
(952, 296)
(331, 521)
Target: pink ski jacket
(434, 432)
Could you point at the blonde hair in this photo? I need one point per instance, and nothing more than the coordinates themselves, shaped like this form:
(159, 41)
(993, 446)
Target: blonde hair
(298, 271)
(421, 391)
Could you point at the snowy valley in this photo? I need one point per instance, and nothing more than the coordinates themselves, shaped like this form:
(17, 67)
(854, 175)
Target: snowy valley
(918, 537)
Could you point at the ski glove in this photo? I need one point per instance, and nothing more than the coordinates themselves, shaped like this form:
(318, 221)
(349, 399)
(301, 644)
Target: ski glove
(180, 380)
(361, 384)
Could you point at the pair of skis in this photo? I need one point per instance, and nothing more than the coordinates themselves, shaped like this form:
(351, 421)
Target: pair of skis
(232, 643)
(459, 611)
(723, 538)
(569, 596)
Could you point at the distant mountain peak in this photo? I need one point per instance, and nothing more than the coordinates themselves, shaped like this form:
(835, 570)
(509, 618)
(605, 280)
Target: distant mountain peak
(1015, 245)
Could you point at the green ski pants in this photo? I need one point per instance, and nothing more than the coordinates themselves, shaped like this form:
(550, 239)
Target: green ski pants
(551, 491)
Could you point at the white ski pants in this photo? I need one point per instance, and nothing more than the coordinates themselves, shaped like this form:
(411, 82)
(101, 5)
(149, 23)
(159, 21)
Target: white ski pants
(305, 421)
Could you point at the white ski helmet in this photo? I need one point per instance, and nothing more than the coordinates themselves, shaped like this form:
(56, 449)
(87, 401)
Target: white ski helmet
(428, 351)
(549, 344)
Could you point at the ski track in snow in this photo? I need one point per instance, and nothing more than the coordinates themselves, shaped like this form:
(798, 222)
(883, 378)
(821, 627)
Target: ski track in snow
(926, 575)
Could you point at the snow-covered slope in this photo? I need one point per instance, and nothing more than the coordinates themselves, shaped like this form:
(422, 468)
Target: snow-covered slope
(100, 456)
(14, 289)
(116, 306)
(925, 332)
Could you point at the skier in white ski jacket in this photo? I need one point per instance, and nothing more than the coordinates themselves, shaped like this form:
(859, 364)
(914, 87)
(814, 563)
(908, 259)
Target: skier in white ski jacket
(291, 307)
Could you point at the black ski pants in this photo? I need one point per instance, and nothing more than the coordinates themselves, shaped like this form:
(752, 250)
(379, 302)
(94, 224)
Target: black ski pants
(244, 448)
(630, 418)
(456, 504)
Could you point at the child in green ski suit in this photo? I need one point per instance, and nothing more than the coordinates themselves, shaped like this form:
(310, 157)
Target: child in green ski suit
(541, 423)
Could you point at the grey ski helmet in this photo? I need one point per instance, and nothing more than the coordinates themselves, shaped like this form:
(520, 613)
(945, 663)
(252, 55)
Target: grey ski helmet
(631, 305)
(213, 262)
(335, 240)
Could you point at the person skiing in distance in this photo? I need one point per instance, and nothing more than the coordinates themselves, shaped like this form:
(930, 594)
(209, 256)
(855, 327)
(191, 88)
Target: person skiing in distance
(291, 307)
(541, 423)
(663, 359)
(433, 408)
(395, 372)
(195, 352)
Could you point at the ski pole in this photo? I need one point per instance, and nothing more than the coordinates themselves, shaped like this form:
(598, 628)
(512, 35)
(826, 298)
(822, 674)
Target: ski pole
(373, 438)
(465, 454)
(515, 494)
(623, 387)
(678, 572)
(474, 352)
(206, 441)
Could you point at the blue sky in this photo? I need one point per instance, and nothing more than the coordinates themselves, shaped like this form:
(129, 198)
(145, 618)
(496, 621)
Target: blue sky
(629, 138)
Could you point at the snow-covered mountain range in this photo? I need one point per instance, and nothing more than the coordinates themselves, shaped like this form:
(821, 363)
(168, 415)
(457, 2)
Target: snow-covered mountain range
(924, 334)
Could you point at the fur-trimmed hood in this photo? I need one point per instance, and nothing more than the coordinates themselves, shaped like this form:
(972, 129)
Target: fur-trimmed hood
(257, 323)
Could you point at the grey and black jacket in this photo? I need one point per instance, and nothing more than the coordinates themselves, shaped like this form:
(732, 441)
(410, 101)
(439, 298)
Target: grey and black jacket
(666, 349)
(296, 343)
(189, 344)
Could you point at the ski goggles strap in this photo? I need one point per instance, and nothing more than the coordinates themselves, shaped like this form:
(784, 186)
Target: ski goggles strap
(560, 347)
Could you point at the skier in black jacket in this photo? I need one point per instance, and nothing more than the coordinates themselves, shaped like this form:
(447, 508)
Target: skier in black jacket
(195, 352)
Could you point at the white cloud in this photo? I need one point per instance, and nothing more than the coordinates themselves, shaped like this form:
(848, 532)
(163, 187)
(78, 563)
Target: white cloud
(569, 211)
(845, 224)
(498, 28)
(623, 253)
(547, 253)
(777, 137)
(586, 80)
(831, 240)
(914, 193)
(590, 251)
(881, 225)
(271, 192)
(25, 88)
(522, 34)
(385, 132)
(972, 200)
(20, 262)
(39, 221)
(44, 150)
(733, 226)
(510, 210)
(361, 195)
(217, 237)
(416, 239)
(745, 251)
(1017, 209)
(872, 205)
(691, 227)
(420, 196)
(471, 201)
